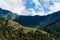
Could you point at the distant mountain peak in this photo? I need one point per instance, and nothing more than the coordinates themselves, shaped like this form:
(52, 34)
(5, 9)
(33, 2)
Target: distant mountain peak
(7, 14)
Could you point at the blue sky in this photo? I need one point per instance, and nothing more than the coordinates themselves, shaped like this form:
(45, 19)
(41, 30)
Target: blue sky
(31, 7)
(30, 4)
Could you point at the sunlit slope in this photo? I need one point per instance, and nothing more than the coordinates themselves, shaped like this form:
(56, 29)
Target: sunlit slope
(10, 30)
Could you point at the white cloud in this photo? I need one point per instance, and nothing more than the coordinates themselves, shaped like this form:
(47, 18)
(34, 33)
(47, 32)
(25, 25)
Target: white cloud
(33, 13)
(54, 8)
(12, 5)
(57, 0)
(16, 6)
(38, 5)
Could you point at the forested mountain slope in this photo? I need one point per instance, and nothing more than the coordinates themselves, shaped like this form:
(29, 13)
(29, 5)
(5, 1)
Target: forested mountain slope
(10, 30)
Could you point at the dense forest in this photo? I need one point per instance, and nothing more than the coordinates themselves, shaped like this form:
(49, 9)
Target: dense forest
(18, 27)
(10, 31)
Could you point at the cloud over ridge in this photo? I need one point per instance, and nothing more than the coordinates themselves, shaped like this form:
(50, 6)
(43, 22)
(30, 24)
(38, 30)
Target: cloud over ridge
(31, 7)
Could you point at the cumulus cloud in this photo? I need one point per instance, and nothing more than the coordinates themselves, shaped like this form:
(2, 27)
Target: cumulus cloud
(12, 5)
(17, 6)
(54, 8)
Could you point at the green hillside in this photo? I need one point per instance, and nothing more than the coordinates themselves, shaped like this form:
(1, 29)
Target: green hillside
(10, 30)
(53, 28)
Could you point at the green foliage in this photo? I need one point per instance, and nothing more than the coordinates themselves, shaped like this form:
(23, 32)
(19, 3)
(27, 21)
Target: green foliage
(51, 24)
(8, 32)
(54, 29)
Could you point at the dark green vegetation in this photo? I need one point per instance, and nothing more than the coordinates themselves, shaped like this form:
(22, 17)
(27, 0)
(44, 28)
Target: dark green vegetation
(49, 23)
(10, 30)
(54, 28)
(35, 21)
(52, 24)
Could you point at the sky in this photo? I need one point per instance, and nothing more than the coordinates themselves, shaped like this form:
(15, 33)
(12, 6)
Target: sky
(31, 7)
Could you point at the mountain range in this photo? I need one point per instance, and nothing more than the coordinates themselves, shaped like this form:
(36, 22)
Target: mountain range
(49, 23)
(7, 14)
(11, 30)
